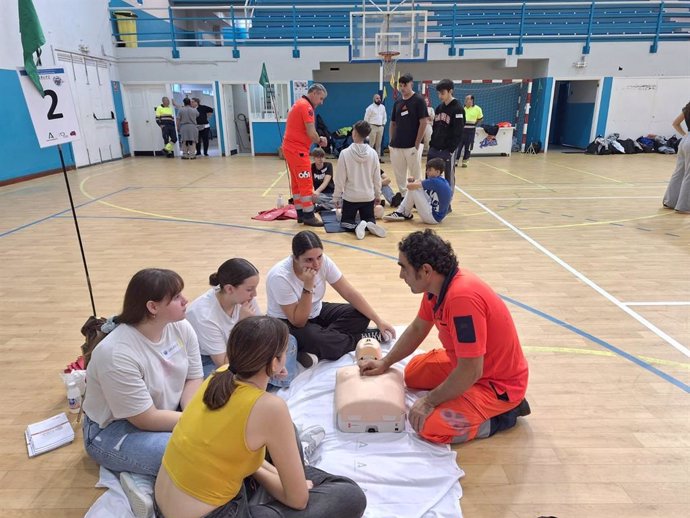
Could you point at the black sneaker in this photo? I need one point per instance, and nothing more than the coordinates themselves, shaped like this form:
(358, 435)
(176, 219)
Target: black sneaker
(397, 216)
(397, 199)
(312, 222)
(524, 409)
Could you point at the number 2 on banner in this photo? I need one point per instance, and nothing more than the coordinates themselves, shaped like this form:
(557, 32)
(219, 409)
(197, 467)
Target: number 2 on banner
(53, 104)
(53, 114)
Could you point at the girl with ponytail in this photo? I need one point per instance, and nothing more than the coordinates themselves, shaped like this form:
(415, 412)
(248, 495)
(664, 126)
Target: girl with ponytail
(231, 299)
(223, 437)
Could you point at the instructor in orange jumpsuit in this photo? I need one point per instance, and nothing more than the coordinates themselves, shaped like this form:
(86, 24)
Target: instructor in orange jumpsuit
(477, 381)
(300, 134)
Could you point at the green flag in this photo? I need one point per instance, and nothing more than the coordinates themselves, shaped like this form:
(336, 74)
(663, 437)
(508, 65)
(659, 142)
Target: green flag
(32, 39)
(263, 80)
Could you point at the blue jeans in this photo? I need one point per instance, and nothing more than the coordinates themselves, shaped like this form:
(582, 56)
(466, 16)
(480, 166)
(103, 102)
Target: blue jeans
(121, 446)
(387, 193)
(290, 365)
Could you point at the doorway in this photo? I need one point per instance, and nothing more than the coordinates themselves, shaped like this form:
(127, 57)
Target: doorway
(207, 97)
(572, 114)
(93, 102)
(237, 119)
(145, 135)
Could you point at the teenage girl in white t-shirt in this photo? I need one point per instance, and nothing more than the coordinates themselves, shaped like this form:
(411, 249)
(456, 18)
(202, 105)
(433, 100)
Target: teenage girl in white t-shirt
(214, 314)
(296, 287)
(140, 377)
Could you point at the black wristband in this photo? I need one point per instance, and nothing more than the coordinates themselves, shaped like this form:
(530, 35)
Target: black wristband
(305, 290)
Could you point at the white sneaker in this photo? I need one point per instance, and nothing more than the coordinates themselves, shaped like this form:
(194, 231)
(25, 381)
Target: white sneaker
(139, 491)
(310, 438)
(375, 229)
(360, 230)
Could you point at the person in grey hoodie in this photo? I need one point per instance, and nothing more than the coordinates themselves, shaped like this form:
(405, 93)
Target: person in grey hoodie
(358, 184)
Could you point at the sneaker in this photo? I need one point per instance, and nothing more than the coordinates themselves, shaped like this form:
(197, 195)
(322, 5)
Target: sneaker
(375, 229)
(312, 222)
(307, 359)
(360, 229)
(397, 199)
(524, 409)
(397, 216)
(139, 491)
(464, 163)
(311, 437)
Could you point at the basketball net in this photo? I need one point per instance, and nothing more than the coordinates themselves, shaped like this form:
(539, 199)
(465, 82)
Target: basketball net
(389, 60)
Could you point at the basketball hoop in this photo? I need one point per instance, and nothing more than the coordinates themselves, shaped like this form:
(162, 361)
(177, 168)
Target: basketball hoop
(389, 59)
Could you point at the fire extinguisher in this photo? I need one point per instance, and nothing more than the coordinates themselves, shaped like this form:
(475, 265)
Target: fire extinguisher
(125, 128)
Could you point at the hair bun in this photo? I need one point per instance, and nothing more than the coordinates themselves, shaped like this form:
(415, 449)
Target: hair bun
(213, 279)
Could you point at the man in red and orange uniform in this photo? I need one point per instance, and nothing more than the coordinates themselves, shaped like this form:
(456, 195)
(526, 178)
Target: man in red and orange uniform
(300, 134)
(477, 381)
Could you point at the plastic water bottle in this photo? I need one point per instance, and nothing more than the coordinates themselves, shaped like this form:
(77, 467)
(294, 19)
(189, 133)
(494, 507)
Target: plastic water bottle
(280, 203)
(73, 398)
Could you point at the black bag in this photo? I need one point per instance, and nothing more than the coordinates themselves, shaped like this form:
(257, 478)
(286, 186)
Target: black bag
(628, 146)
(673, 142)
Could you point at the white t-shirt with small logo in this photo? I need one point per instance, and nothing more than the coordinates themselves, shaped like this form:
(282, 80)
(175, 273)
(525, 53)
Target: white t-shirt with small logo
(128, 373)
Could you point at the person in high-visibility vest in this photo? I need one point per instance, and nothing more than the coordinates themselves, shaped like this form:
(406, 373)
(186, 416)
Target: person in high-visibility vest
(166, 120)
(473, 116)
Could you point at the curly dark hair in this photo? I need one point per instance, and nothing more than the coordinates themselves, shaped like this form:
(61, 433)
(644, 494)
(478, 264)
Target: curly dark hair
(428, 248)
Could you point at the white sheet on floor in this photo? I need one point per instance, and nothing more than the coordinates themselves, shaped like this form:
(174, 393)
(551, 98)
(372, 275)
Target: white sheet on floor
(402, 475)
(113, 503)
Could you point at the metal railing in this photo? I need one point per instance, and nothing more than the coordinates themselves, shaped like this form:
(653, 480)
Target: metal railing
(512, 25)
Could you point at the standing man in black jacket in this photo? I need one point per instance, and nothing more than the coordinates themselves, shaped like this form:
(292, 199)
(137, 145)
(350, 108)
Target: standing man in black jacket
(203, 126)
(449, 122)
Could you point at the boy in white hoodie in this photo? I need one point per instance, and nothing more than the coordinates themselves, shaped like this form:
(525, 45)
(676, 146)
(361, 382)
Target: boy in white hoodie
(358, 184)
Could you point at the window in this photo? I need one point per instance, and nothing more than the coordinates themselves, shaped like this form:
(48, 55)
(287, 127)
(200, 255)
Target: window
(262, 100)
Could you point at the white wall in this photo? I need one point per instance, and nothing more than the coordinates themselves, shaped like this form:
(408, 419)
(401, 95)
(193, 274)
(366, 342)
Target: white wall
(646, 105)
(66, 24)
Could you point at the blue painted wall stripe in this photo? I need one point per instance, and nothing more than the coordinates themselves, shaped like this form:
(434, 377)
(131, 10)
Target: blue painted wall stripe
(17, 134)
(219, 115)
(604, 105)
(119, 114)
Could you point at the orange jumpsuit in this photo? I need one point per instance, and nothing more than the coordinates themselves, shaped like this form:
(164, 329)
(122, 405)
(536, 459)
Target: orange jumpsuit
(472, 321)
(296, 144)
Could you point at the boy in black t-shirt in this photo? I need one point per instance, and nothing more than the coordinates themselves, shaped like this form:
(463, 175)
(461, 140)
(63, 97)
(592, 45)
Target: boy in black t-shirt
(408, 123)
(322, 176)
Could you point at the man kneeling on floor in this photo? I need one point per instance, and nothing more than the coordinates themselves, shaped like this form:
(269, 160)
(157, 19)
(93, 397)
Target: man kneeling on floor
(477, 381)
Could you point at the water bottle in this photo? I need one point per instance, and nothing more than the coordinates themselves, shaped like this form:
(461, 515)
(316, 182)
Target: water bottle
(280, 203)
(73, 398)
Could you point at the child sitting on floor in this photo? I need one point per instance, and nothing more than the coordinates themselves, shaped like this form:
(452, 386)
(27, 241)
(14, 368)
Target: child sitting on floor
(322, 177)
(431, 197)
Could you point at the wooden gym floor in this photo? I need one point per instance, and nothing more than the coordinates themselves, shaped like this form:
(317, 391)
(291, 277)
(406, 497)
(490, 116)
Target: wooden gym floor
(594, 270)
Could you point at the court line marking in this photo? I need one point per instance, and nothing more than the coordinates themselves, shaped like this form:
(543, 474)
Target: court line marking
(669, 303)
(511, 174)
(280, 176)
(646, 323)
(584, 334)
(597, 352)
(556, 198)
(587, 172)
(36, 222)
(634, 359)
